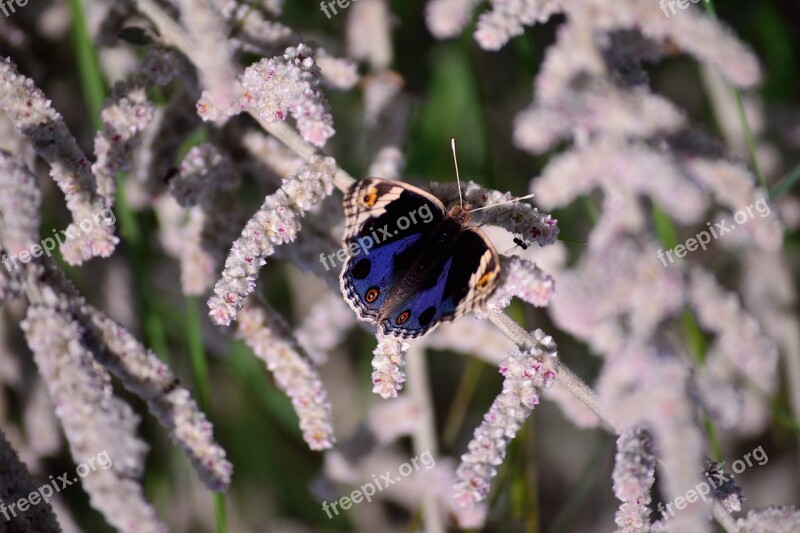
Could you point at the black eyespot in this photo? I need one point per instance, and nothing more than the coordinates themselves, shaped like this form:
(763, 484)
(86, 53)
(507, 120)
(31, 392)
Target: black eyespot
(362, 268)
(427, 315)
(403, 317)
(372, 295)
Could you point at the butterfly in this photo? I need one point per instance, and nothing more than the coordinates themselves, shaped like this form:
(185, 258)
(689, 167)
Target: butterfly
(412, 264)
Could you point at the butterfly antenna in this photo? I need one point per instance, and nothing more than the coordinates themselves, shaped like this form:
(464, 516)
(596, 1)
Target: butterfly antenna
(513, 200)
(458, 178)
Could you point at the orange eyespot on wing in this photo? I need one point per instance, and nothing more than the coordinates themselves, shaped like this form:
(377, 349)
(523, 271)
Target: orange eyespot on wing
(369, 197)
(403, 317)
(485, 280)
(372, 295)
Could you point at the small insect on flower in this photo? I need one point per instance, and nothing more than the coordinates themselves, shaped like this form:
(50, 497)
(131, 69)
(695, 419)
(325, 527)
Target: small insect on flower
(521, 243)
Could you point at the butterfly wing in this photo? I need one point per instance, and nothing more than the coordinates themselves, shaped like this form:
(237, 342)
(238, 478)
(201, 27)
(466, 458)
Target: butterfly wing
(383, 219)
(462, 280)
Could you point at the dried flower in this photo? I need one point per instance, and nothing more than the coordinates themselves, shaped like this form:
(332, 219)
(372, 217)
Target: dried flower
(724, 486)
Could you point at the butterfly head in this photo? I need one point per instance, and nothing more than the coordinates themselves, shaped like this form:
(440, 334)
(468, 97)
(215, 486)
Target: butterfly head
(460, 214)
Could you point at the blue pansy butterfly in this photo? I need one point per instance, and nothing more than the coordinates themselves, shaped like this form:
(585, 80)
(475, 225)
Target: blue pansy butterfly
(411, 263)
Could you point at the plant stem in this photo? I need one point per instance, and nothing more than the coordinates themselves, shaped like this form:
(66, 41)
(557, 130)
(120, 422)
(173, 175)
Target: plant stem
(785, 184)
(194, 337)
(748, 132)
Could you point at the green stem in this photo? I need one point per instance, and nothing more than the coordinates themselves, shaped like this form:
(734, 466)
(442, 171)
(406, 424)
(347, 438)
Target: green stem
(94, 88)
(668, 235)
(458, 409)
(748, 132)
(194, 337)
(785, 184)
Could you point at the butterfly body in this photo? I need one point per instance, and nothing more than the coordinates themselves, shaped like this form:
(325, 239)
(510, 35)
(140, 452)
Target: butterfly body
(411, 263)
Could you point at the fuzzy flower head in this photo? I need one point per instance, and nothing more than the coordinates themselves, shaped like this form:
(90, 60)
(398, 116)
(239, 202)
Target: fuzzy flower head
(518, 218)
(274, 88)
(268, 336)
(275, 223)
(390, 358)
(634, 474)
(525, 375)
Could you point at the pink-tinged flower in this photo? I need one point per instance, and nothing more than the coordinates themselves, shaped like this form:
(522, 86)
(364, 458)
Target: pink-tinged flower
(204, 183)
(324, 327)
(508, 18)
(519, 218)
(125, 117)
(94, 421)
(623, 173)
(276, 222)
(634, 474)
(20, 201)
(369, 35)
(144, 374)
(394, 419)
(269, 337)
(740, 338)
(470, 335)
(448, 18)
(390, 358)
(214, 53)
(784, 519)
(204, 172)
(523, 279)
(525, 375)
(340, 73)
(644, 385)
(33, 115)
(289, 84)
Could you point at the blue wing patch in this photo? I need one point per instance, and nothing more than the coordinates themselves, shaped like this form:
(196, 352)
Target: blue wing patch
(367, 278)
